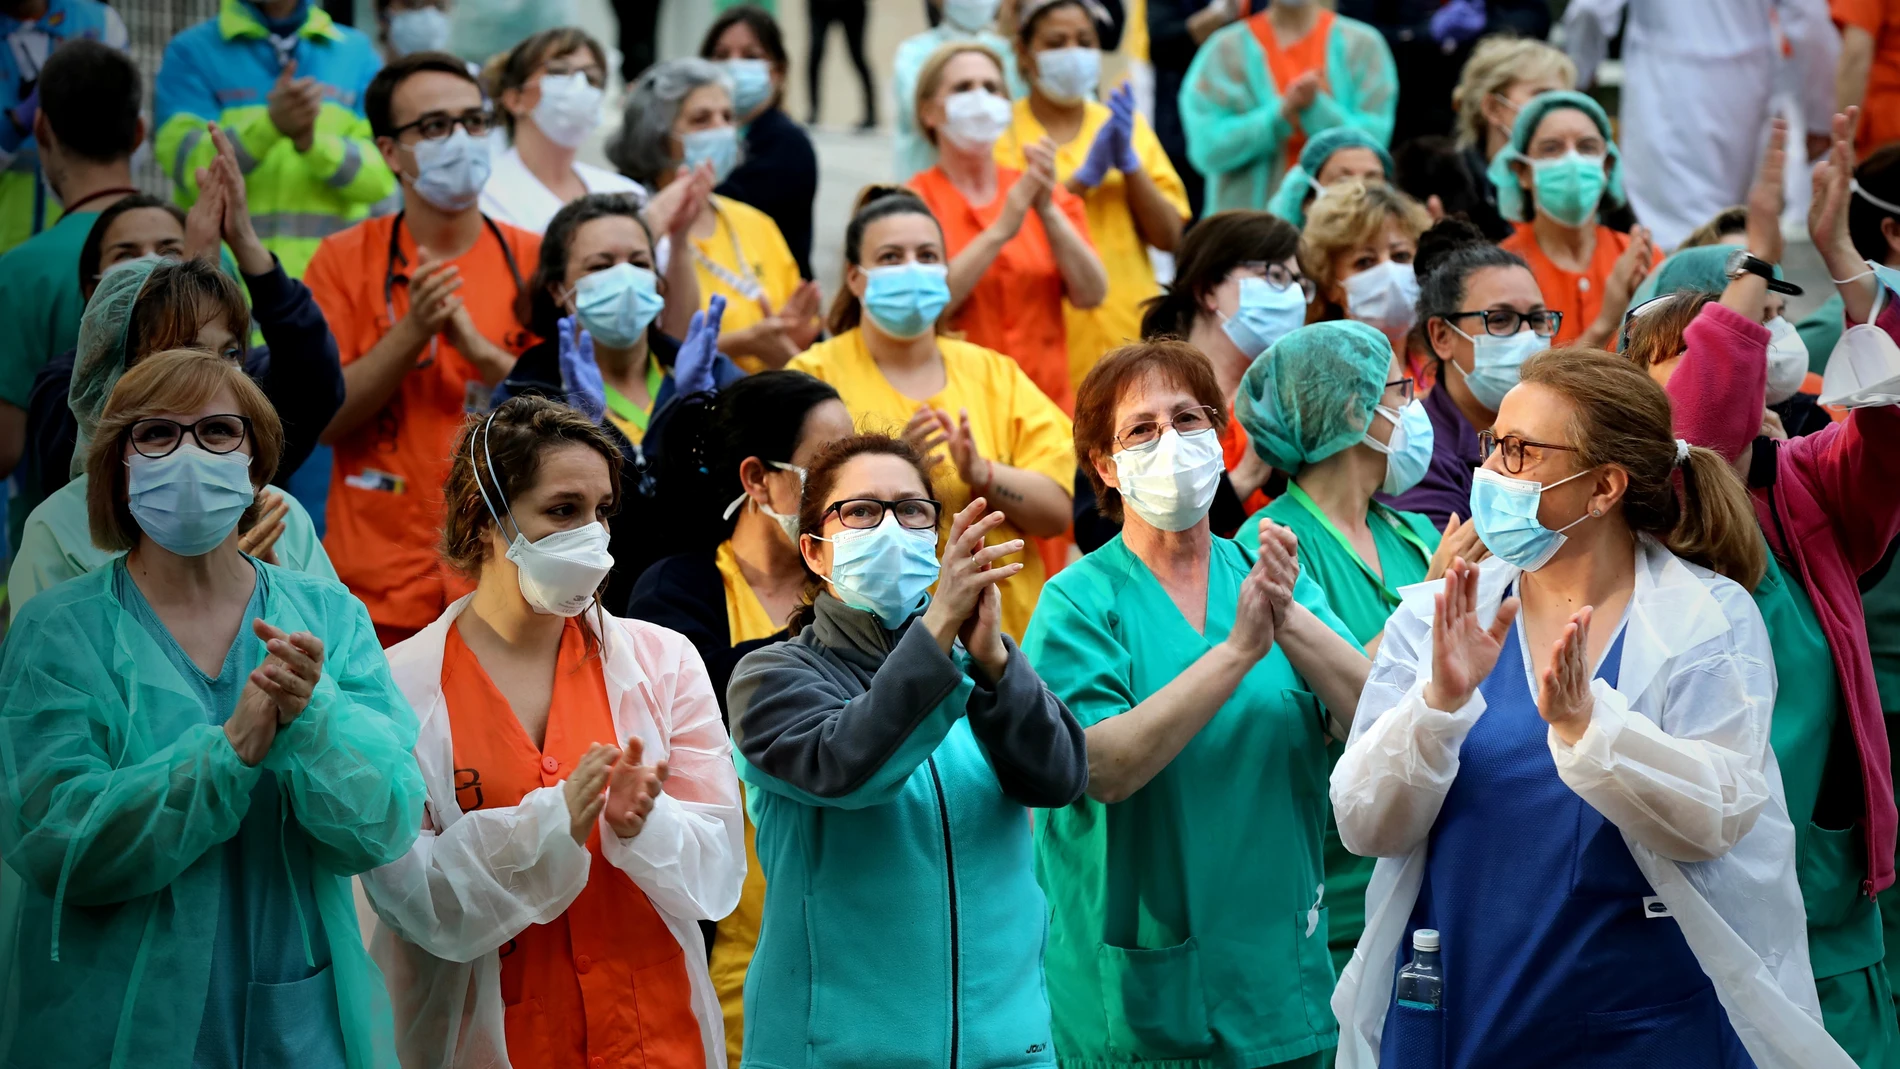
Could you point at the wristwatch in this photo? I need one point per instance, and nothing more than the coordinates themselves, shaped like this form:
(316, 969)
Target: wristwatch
(1742, 262)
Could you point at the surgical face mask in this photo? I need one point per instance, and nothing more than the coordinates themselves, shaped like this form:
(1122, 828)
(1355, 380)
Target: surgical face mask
(970, 15)
(424, 29)
(1069, 75)
(1569, 186)
(975, 118)
(1170, 482)
(1495, 363)
(1408, 453)
(617, 305)
(718, 145)
(1266, 314)
(787, 522)
(190, 500)
(1505, 510)
(904, 300)
(558, 573)
(751, 83)
(569, 108)
(451, 171)
(884, 570)
(1385, 297)
(1787, 360)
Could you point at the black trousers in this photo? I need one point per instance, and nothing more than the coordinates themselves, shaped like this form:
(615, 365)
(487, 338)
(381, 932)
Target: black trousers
(850, 14)
(639, 25)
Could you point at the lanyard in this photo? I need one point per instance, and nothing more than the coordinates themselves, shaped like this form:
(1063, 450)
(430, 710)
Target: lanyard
(1298, 495)
(390, 277)
(746, 285)
(620, 405)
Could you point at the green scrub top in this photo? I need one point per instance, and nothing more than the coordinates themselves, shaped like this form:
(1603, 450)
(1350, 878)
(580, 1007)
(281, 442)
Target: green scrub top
(1186, 922)
(1844, 931)
(1405, 541)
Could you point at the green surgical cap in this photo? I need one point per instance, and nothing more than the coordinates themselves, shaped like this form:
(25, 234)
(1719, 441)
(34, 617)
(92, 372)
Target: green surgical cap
(1312, 394)
(1288, 201)
(1510, 194)
(1703, 269)
(100, 359)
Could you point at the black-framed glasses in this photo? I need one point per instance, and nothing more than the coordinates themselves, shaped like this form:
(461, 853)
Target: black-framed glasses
(222, 433)
(1277, 276)
(1513, 449)
(1187, 421)
(864, 513)
(1406, 388)
(1504, 322)
(439, 124)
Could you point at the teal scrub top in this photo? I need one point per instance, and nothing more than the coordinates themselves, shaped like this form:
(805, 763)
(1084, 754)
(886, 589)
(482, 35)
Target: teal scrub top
(1843, 925)
(1405, 541)
(1186, 922)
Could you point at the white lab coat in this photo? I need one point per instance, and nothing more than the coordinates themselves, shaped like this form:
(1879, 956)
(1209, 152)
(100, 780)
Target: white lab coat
(1698, 79)
(513, 195)
(473, 881)
(1676, 756)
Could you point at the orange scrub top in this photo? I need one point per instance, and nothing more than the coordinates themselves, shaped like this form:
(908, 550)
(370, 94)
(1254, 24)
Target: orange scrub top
(1578, 296)
(1016, 308)
(385, 508)
(604, 985)
(1288, 62)
(1880, 111)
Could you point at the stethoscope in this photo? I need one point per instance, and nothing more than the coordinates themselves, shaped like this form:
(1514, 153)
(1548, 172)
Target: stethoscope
(395, 255)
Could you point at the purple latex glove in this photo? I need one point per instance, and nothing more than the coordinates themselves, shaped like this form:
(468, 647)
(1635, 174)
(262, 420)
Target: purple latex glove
(1103, 152)
(1122, 103)
(580, 376)
(1457, 22)
(693, 366)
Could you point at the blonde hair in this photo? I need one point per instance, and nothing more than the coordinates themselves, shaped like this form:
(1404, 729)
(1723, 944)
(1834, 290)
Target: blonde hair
(930, 78)
(1494, 65)
(1352, 213)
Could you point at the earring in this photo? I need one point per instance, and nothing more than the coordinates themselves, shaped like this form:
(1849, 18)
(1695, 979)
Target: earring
(1596, 512)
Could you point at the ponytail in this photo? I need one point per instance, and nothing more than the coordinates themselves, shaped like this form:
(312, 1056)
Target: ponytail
(1718, 529)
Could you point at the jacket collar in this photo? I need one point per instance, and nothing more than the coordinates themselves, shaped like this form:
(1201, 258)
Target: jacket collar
(842, 629)
(236, 20)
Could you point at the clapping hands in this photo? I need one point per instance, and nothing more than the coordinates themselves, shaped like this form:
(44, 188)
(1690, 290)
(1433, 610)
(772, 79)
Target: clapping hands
(1114, 144)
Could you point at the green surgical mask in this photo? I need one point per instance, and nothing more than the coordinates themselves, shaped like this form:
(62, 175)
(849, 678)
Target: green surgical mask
(1569, 187)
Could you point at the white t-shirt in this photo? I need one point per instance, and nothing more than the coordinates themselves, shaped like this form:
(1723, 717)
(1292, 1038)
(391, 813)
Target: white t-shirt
(515, 196)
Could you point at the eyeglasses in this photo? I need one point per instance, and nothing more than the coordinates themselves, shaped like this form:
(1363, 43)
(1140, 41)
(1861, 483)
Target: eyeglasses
(1280, 278)
(1513, 449)
(156, 438)
(595, 76)
(864, 513)
(1406, 389)
(438, 124)
(1187, 421)
(1503, 322)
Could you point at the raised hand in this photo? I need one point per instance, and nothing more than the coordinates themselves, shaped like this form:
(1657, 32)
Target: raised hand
(204, 223)
(1459, 542)
(260, 541)
(1265, 595)
(580, 376)
(291, 669)
(235, 226)
(632, 790)
(1625, 276)
(1833, 189)
(673, 209)
(973, 467)
(1042, 171)
(801, 315)
(293, 105)
(926, 433)
(1122, 103)
(1103, 153)
(1563, 694)
(1463, 650)
(967, 571)
(586, 789)
(1767, 197)
(693, 364)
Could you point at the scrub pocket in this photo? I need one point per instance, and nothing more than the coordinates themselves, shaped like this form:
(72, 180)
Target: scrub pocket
(1418, 1037)
(1690, 1034)
(1316, 968)
(1828, 866)
(293, 1024)
(1153, 1004)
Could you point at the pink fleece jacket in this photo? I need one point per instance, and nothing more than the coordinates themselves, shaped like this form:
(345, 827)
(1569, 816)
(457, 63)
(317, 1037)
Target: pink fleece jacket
(1832, 511)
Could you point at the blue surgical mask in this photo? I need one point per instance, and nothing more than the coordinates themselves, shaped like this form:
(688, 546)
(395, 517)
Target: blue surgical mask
(189, 501)
(1888, 276)
(718, 145)
(1266, 314)
(904, 300)
(970, 15)
(1069, 75)
(1408, 453)
(751, 83)
(1495, 362)
(1505, 510)
(423, 29)
(451, 171)
(885, 570)
(617, 305)
(1569, 187)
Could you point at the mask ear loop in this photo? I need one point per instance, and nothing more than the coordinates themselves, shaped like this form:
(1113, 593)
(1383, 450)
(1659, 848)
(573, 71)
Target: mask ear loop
(489, 460)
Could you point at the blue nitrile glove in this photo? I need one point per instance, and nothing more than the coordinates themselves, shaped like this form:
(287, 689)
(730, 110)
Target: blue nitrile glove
(580, 376)
(693, 367)
(1457, 22)
(1122, 103)
(1103, 152)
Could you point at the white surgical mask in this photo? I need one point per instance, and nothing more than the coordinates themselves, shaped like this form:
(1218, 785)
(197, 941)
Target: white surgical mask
(1170, 482)
(569, 108)
(1069, 75)
(1385, 297)
(558, 573)
(451, 171)
(970, 15)
(975, 118)
(422, 29)
(1787, 360)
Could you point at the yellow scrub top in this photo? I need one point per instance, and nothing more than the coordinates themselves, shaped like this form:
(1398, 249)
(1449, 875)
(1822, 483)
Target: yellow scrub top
(1131, 277)
(738, 934)
(745, 257)
(1014, 424)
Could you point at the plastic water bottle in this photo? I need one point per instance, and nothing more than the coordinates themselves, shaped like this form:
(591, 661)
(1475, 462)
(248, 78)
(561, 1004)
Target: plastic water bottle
(1422, 981)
